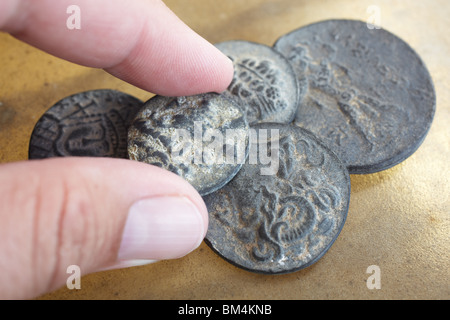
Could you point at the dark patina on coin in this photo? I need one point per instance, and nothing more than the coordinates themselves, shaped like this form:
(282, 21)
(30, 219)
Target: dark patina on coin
(285, 221)
(370, 96)
(201, 138)
(264, 83)
(92, 124)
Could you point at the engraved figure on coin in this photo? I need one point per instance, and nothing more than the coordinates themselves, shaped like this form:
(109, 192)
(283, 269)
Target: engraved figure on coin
(158, 125)
(196, 118)
(98, 136)
(331, 88)
(258, 84)
(288, 220)
(90, 131)
(88, 124)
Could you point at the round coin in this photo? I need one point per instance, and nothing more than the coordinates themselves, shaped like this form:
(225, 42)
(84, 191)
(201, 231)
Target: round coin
(370, 97)
(201, 138)
(284, 218)
(92, 124)
(264, 83)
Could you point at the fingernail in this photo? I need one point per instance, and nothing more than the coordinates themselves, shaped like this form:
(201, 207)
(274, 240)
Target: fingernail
(227, 75)
(161, 228)
(230, 62)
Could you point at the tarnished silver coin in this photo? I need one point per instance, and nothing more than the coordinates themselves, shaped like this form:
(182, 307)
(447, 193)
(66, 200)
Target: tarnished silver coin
(201, 138)
(264, 83)
(92, 124)
(284, 219)
(370, 96)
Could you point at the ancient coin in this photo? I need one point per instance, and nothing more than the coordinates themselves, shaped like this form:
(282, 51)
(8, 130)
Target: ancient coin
(285, 218)
(370, 96)
(202, 138)
(92, 124)
(264, 84)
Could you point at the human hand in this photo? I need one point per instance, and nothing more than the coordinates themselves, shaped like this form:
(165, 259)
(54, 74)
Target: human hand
(102, 213)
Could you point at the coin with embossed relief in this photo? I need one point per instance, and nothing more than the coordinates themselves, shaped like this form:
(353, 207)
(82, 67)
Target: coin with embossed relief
(202, 138)
(91, 124)
(370, 96)
(285, 207)
(264, 83)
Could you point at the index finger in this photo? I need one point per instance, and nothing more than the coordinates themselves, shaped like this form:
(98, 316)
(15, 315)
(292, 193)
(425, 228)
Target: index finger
(141, 42)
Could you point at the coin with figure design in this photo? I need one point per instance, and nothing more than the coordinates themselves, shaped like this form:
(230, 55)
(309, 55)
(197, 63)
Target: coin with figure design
(370, 97)
(202, 138)
(264, 83)
(90, 124)
(286, 218)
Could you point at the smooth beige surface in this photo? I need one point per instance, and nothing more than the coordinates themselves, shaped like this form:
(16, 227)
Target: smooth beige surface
(399, 219)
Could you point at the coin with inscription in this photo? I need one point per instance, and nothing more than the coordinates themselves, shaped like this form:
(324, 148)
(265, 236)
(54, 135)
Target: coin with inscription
(91, 124)
(285, 207)
(202, 138)
(264, 83)
(370, 96)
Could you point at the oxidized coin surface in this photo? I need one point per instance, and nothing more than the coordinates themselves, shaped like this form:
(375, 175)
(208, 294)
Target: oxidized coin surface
(201, 138)
(92, 123)
(281, 222)
(264, 83)
(370, 96)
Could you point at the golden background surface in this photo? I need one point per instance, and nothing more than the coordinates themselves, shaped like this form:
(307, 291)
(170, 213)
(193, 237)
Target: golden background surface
(398, 219)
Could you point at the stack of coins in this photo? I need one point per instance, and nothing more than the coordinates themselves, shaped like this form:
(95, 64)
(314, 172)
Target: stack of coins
(272, 155)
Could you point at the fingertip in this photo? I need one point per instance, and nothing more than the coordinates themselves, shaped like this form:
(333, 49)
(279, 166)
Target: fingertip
(175, 60)
(226, 72)
(178, 66)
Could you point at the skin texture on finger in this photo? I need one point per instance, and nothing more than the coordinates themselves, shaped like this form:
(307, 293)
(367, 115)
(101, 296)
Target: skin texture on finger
(72, 211)
(141, 41)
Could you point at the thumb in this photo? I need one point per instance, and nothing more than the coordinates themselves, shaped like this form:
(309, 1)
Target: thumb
(93, 213)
